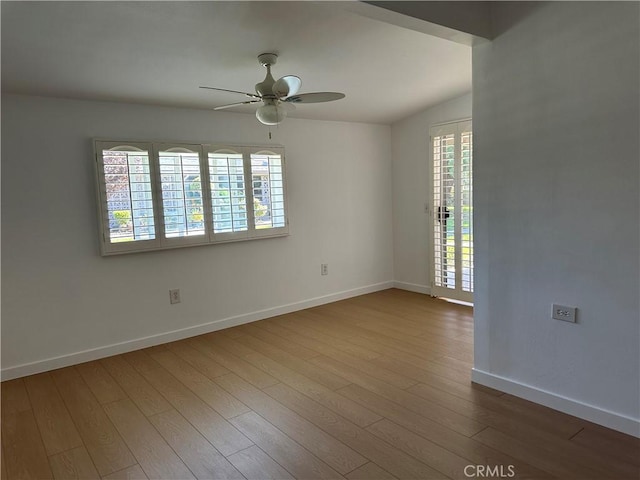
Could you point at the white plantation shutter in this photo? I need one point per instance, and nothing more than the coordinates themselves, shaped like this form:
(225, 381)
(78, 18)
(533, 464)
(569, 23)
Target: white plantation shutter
(452, 221)
(180, 176)
(444, 205)
(154, 196)
(466, 200)
(126, 199)
(268, 190)
(227, 185)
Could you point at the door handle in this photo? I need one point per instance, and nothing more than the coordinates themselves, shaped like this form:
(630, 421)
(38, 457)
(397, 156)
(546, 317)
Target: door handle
(443, 214)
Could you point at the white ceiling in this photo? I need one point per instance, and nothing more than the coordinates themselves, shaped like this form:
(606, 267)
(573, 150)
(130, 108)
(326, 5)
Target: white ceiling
(160, 52)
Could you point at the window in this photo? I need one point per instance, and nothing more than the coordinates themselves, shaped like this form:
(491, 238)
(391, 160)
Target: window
(268, 190)
(159, 195)
(181, 193)
(228, 193)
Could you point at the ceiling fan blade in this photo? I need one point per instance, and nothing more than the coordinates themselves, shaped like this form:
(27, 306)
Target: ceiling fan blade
(287, 85)
(316, 97)
(253, 95)
(222, 107)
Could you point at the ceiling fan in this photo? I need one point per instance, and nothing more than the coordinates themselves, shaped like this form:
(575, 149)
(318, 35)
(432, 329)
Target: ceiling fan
(278, 96)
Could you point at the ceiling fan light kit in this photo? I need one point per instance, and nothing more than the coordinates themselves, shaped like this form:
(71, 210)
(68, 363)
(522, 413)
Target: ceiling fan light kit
(277, 96)
(270, 114)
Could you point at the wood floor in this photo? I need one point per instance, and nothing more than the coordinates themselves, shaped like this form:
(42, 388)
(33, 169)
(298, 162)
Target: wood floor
(374, 387)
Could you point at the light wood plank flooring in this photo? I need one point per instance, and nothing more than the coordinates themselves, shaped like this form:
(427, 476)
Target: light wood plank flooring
(374, 387)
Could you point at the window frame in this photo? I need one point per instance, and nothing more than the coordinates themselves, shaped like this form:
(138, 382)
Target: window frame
(161, 241)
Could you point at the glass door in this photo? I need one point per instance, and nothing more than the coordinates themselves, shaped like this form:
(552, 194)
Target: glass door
(452, 211)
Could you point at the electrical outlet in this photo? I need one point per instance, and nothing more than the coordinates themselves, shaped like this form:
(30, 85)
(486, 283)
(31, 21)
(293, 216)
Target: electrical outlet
(564, 313)
(324, 269)
(174, 296)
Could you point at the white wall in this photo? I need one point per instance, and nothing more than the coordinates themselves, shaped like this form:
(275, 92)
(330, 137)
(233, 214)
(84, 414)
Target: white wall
(411, 191)
(556, 183)
(60, 297)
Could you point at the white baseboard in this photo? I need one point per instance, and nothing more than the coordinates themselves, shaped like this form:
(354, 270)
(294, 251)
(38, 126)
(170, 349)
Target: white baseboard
(45, 365)
(606, 418)
(412, 287)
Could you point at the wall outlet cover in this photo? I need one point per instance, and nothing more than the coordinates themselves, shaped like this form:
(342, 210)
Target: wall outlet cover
(174, 296)
(564, 313)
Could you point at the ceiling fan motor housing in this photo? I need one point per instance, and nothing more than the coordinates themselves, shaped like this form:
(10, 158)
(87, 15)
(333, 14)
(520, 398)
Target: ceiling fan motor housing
(265, 88)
